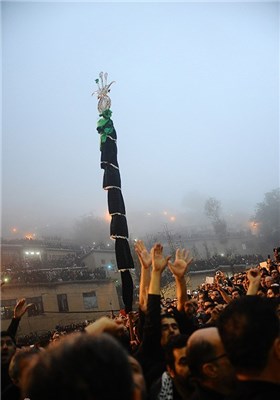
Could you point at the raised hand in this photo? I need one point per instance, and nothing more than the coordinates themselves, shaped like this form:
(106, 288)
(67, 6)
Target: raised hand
(254, 276)
(104, 324)
(159, 262)
(181, 263)
(144, 256)
(20, 308)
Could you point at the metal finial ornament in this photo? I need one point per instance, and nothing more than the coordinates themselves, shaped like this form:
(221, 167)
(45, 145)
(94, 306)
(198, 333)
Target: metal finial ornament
(104, 101)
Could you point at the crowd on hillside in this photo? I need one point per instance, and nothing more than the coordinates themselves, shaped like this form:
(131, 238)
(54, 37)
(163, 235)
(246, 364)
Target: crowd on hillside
(26, 276)
(69, 269)
(232, 259)
(219, 342)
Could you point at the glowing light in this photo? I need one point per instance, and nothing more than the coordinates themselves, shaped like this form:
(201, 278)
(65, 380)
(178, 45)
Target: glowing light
(108, 245)
(172, 218)
(164, 212)
(107, 217)
(6, 280)
(254, 227)
(29, 236)
(37, 252)
(14, 230)
(109, 267)
(222, 254)
(27, 252)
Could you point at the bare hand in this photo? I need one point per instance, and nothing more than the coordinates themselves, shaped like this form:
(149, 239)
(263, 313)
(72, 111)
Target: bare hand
(181, 263)
(20, 308)
(104, 324)
(159, 262)
(254, 276)
(144, 256)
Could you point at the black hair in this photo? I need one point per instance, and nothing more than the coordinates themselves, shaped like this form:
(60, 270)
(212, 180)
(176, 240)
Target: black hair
(81, 367)
(7, 333)
(175, 342)
(248, 327)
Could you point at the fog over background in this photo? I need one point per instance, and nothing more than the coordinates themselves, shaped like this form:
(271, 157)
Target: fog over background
(195, 106)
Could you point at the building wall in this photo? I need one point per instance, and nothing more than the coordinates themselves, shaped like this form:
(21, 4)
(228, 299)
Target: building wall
(106, 295)
(101, 258)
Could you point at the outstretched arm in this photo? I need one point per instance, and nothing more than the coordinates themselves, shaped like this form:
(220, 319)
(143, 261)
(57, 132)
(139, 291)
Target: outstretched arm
(145, 259)
(159, 263)
(19, 310)
(225, 296)
(179, 269)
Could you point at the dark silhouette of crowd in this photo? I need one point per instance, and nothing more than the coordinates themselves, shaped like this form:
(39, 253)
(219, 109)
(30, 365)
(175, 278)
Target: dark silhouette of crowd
(221, 341)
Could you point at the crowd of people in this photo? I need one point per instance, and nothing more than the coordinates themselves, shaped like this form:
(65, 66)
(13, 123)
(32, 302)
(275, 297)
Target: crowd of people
(228, 259)
(219, 342)
(26, 276)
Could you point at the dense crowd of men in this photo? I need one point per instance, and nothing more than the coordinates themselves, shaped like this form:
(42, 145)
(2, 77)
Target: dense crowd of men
(59, 274)
(220, 342)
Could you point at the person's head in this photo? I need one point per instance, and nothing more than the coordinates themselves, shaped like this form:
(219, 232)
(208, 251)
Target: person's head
(209, 307)
(274, 274)
(273, 291)
(235, 294)
(169, 328)
(268, 280)
(176, 364)
(175, 356)
(138, 377)
(19, 362)
(249, 328)
(8, 347)
(200, 304)
(190, 308)
(208, 362)
(80, 367)
(214, 295)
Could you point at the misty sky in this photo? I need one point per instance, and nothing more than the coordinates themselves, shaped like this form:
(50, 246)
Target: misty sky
(195, 106)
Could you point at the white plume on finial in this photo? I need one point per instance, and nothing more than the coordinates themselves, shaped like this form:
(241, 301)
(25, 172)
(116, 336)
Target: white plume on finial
(104, 101)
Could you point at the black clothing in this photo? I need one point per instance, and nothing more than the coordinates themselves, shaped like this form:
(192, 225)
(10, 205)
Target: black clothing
(11, 392)
(5, 378)
(156, 388)
(203, 393)
(256, 390)
(150, 353)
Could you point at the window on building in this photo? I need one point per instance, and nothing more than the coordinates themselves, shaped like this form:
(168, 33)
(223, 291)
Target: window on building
(37, 307)
(62, 302)
(90, 300)
(7, 308)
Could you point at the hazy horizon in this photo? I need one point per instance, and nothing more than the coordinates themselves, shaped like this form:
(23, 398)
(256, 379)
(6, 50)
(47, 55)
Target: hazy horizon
(195, 106)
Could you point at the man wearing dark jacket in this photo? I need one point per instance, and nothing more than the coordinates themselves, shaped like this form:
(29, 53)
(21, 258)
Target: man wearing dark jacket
(249, 328)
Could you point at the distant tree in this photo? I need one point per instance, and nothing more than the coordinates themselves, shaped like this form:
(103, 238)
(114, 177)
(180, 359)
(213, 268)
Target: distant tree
(207, 252)
(267, 216)
(195, 252)
(213, 210)
(90, 229)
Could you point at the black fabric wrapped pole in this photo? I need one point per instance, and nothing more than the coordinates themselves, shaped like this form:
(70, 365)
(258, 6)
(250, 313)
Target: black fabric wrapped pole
(112, 183)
